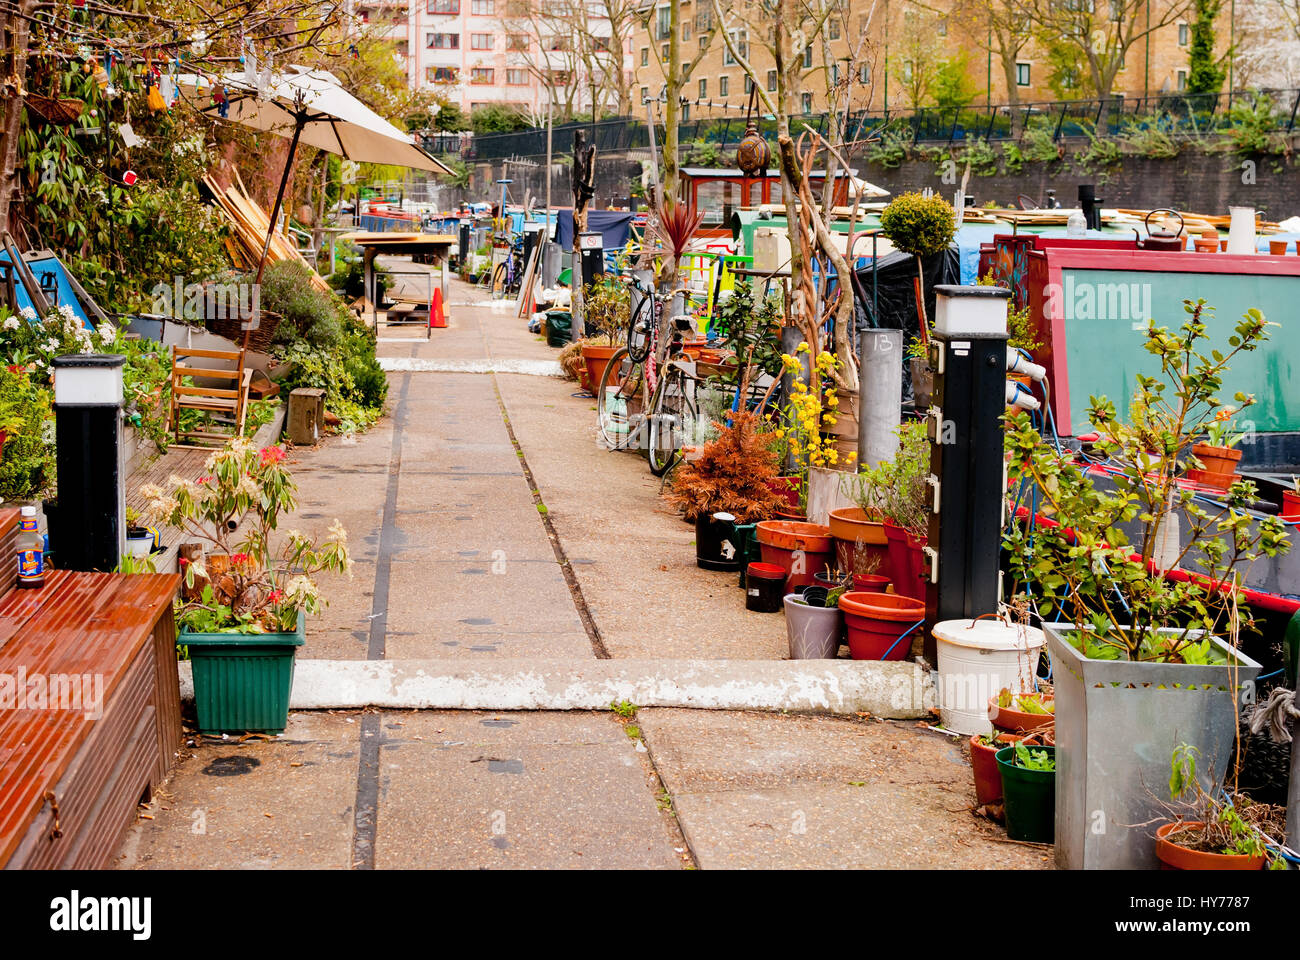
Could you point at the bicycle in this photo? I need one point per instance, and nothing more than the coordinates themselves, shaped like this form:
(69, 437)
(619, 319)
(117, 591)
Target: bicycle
(650, 373)
(508, 274)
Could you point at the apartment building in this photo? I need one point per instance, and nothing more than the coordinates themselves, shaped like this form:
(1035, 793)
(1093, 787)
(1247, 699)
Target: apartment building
(520, 53)
(877, 46)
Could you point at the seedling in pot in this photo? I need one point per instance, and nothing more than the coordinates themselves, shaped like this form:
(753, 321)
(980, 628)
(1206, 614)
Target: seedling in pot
(1043, 761)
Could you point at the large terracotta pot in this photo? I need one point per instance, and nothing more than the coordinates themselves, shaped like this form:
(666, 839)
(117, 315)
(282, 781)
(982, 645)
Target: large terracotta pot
(853, 525)
(1017, 721)
(595, 358)
(1172, 856)
(1290, 505)
(907, 561)
(1220, 466)
(801, 549)
(879, 625)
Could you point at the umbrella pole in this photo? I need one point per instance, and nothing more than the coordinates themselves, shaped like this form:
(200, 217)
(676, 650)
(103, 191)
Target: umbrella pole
(275, 211)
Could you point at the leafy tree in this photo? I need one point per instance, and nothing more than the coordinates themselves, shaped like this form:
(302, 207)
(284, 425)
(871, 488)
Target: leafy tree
(1205, 73)
(497, 118)
(952, 86)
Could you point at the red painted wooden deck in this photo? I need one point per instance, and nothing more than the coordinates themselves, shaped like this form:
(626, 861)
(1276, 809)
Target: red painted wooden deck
(56, 773)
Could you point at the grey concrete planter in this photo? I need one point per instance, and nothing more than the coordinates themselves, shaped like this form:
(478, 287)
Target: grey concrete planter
(1117, 723)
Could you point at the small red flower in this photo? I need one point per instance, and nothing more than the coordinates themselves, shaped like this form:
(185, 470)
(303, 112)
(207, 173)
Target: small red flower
(239, 558)
(204, 479)
(183, 562)
(275, 596)
(272, 455)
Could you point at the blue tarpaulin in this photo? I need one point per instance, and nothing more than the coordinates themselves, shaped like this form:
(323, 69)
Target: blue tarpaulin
(614, 225)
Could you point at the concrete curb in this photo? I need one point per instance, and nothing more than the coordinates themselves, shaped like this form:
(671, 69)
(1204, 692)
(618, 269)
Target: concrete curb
(897, 690)
(534, 368)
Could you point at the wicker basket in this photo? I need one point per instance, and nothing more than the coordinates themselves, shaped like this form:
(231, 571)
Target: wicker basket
(232, 328)
(61, 113)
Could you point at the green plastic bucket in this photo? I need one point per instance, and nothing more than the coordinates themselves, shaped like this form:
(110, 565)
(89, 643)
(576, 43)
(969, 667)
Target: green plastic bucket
(242, 681)
(1029, 797)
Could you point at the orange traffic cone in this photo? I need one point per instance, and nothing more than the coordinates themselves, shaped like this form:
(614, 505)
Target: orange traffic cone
(437, 315)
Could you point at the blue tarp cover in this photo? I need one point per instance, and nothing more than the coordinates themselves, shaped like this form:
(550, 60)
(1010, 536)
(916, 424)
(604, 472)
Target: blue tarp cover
(614, 225)
(40, 266)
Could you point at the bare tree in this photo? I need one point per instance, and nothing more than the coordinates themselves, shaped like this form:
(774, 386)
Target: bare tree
(1101, 32)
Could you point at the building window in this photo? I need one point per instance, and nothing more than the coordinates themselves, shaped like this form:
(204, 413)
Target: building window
(807, 57)
(480, 41)
(943, 26)
(517, 77)
(558, 78)
(443, 6)
(704, 88)
(428, 74)
(663, 23)
(835, 73)
(1022, 74)
(704, 41)
(517, 41)
(686, 113)
(483, 8)
(833, 28)
(749, 85)
(864, 73)
(1182, 80)
(561, 43)
(440, 74)
(645, 94)
(1184, 35)
(771, 81)
(442, 41)
(686, 32)
(806, 100)
(724, 86)
(645, 56)
(480, 75)
(664, 51)
(907, 71)
(741, 40)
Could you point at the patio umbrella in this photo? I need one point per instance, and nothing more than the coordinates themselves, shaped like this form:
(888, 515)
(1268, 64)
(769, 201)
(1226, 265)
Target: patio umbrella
(307, 106)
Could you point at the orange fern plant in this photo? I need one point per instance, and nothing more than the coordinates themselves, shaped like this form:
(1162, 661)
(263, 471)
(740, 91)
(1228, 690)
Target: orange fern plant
(733, 473)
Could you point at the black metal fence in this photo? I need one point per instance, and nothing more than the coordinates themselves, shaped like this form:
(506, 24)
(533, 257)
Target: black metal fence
(1179, 114)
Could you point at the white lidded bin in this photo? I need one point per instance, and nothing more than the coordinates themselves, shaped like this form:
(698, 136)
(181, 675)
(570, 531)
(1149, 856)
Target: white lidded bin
(977, 659)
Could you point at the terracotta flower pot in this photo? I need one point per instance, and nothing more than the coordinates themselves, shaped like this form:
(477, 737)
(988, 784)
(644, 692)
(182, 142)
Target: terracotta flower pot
(1017, 721)
(906, 561)
(595, 358)
(879, 625)
(1277, 248)
(851, 525)
(870, 583)
(1290, 505)
(984, 765)
(1173, 856)
(801, 549)
(1220, 465)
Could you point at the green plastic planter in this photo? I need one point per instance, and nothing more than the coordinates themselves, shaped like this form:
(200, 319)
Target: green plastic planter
(242, 681)
(1029, 797)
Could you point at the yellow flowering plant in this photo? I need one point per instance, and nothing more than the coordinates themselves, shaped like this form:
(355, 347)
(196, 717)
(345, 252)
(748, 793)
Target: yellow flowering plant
(234, 510)
(811, 410)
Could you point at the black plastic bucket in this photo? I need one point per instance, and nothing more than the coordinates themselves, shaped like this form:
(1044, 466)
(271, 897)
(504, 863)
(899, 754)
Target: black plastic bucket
(715, 542)
(764, 587)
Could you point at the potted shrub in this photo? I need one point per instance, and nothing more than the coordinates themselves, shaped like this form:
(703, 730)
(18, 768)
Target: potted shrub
(1209, 833)
(1029, 791)
(732, 475)
(139, 539)
(607, 307)
(903, 499)
(921, 226)
(243, 629)
(1139, 661)
(1217, 457)
(1026, 712)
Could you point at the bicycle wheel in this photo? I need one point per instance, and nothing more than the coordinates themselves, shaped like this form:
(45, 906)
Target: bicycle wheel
(498, 284)
(672, 416)
(617, 400)
(639, 330)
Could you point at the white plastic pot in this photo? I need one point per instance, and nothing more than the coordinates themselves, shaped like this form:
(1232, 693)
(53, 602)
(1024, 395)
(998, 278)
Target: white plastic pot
(978, 658)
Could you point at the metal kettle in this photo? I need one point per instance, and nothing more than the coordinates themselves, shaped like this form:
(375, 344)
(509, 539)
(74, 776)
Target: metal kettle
(1161, 238)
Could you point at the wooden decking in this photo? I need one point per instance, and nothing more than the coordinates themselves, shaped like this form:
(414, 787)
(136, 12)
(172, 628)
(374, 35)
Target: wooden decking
(73, 767)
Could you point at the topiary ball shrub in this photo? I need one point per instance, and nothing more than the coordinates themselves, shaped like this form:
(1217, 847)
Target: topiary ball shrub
(921, 226)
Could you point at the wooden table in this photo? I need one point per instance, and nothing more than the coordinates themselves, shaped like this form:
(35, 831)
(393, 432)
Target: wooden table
(75, 762)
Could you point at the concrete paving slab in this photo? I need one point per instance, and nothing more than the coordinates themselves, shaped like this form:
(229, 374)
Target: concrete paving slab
(283, 804)
(533, 791)
(768, 791)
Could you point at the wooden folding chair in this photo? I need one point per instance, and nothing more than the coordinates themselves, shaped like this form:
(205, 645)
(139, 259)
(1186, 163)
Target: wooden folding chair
(228, 403)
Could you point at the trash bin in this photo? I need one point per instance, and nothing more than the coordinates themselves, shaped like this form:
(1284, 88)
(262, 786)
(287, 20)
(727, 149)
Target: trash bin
(559, 327)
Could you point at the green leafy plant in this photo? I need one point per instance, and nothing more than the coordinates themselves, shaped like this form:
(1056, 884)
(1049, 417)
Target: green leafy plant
(896, 489)
(752, 335)
(921, 226)
(235, 511)
(1233, 825)
(607, 309)
(1043, 761)
(1087, 568)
